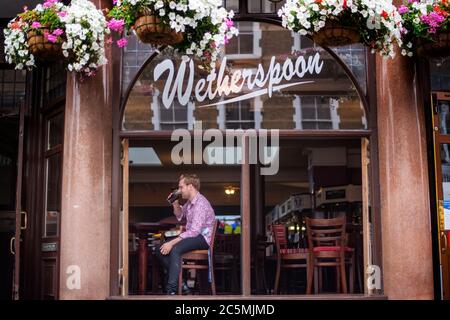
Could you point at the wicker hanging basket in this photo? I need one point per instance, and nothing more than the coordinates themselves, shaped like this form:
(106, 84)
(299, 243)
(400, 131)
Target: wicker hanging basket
(439, 47)
(43, 49)
(334, 35)
(151, 30)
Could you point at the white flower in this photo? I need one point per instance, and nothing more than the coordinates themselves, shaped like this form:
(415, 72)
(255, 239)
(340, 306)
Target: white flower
(373, 23)
(191, 16)
(307, 16)
(86, 52)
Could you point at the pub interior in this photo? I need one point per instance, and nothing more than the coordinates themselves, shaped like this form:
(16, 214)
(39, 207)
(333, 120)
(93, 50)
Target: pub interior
(317, 178)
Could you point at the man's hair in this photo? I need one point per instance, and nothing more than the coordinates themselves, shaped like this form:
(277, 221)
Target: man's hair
(191, 179)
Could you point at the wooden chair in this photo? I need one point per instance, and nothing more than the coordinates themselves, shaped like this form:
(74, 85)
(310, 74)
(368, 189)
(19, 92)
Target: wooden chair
(227, 250)
(288, 258)
(199, 260)
(258, 264)
(326, 241)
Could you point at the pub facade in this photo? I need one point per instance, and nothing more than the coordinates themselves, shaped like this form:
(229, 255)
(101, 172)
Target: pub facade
(283, 131)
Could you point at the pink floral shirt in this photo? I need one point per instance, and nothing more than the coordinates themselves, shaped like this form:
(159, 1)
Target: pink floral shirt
(200, 218)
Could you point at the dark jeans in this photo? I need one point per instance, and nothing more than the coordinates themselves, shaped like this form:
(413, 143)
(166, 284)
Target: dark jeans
(172, 262)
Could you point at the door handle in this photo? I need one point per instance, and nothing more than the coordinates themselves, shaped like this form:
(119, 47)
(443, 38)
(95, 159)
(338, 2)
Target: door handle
(11, 245)
(444, 243)
(25, 220)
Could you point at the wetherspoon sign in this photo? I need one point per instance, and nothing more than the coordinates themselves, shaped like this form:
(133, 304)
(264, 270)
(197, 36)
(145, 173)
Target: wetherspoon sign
(222, 85)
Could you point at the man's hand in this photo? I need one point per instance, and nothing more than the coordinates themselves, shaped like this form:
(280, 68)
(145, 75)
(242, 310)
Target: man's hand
(176, 204)
(165, 248)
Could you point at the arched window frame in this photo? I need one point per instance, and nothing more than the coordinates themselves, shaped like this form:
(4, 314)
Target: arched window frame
(368, 98)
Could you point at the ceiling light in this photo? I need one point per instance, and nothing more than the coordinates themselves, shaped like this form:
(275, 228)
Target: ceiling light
(230, 191)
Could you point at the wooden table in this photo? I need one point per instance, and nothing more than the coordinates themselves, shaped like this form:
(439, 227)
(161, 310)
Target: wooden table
(142, 229)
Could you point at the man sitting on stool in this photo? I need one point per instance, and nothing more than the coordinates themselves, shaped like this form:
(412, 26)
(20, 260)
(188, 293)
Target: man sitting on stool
(200, 220)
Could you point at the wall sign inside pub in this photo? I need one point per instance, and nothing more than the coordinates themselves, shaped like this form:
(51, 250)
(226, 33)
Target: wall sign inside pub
(223, 85)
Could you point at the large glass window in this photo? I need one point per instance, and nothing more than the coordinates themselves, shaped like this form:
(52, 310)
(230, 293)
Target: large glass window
(152, 176)
(269, 78)
(316, 179)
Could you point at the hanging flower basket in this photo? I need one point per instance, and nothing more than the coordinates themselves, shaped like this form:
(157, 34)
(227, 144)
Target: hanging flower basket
(53, 31)
(438, 47)
(150, 29)
(334, 35)
(41, 47)
(375, 23)
(426, 30)
(197, 29)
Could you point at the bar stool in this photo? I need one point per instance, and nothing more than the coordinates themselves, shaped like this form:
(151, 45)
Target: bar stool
(199, 260)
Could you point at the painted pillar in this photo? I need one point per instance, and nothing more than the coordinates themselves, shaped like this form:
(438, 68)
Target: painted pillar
(405, 199)
(86, 185)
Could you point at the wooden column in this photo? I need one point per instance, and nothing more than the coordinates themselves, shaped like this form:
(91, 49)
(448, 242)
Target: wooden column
(246, 230)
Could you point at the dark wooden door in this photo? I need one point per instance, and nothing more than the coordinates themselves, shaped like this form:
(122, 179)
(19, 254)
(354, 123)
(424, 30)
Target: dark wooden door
(16, 240)
(441, 126)
(51, 206)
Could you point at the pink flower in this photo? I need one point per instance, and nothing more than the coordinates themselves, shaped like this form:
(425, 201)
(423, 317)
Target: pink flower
(36, 25)
(229, 23)
(49, 3)
(226, 40)
(122, 42)
(57, 32)
(116, 25)
(50, 37)
(403, 9)
(62, 14)
(433, 20)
